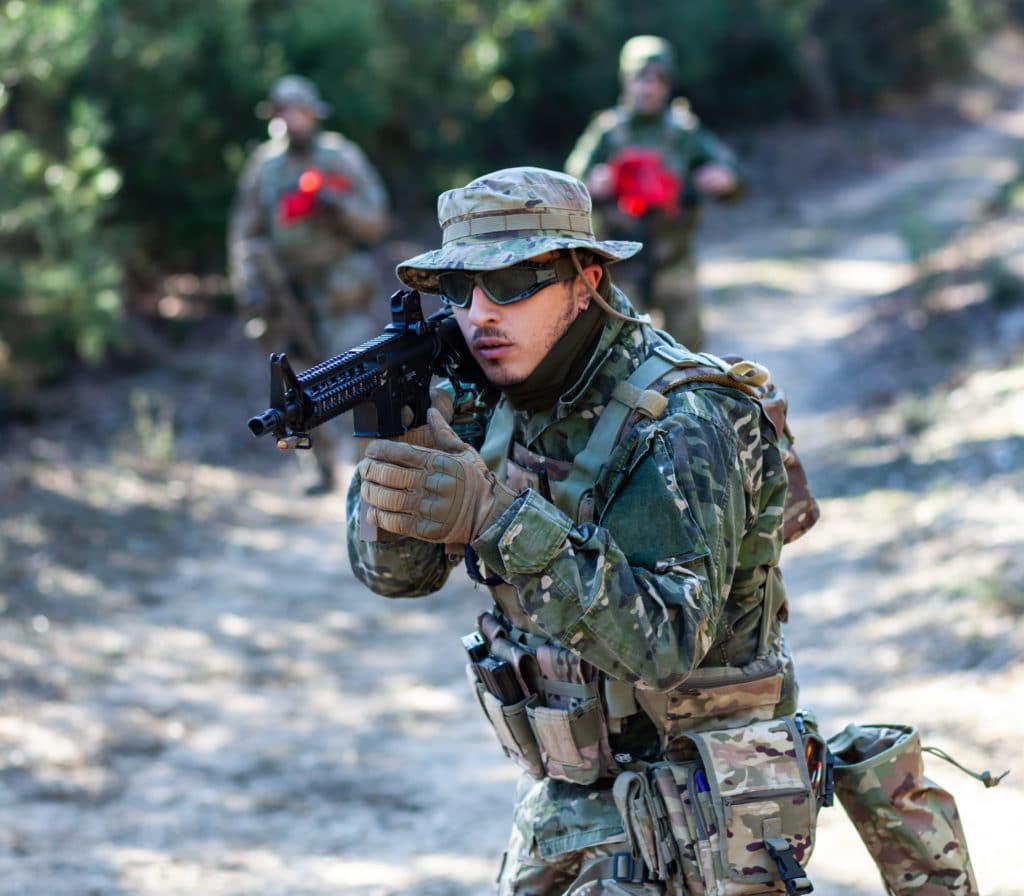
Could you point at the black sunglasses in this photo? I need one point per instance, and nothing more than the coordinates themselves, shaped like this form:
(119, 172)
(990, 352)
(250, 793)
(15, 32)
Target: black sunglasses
(504, 286)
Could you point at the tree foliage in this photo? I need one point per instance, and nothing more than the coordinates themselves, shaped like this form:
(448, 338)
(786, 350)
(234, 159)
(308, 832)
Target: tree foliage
(124, 125)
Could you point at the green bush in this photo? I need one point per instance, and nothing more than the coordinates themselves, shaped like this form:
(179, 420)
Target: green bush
(873, 46)
(60, 275)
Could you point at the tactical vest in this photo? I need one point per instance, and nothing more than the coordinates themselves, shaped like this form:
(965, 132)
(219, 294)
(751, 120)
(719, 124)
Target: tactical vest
(566, 726)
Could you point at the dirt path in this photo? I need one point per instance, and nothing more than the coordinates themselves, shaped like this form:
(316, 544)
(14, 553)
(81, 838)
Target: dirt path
(198, 698)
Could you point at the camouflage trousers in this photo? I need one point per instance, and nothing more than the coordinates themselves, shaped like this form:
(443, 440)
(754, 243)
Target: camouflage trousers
(525, 873)
(674, 304)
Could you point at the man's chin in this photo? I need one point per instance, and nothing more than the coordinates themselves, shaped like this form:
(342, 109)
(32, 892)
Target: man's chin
(499, 375)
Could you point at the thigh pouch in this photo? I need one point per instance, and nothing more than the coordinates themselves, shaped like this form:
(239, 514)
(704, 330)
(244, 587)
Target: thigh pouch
(908, 823)
(736, 816)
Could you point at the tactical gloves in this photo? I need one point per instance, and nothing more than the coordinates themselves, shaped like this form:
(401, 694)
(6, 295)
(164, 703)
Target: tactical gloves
(443, 494)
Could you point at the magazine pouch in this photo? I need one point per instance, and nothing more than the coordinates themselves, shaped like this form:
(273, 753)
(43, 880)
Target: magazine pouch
(570, 723)
(908, 823)
(511, 725)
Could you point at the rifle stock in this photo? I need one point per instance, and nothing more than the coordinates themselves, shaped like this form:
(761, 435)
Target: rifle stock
(385, 381)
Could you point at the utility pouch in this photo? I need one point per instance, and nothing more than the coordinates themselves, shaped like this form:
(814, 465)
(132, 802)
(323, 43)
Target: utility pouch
(908, 823)
(646, 824)
(692, 843)
(744, 811)
(716, 698)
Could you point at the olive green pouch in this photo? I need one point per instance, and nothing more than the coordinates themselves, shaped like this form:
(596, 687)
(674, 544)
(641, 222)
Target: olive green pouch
(908, 823)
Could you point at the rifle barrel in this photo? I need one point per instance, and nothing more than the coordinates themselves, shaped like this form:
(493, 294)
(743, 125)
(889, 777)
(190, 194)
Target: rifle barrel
(266, 422)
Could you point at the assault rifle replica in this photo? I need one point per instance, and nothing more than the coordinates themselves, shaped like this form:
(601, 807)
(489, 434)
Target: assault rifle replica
(385, 381)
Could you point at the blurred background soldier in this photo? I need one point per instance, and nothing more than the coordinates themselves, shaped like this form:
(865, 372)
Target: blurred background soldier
(308, 208)
(648, 162)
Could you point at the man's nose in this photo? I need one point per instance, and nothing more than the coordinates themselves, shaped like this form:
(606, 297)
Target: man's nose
(481, 308)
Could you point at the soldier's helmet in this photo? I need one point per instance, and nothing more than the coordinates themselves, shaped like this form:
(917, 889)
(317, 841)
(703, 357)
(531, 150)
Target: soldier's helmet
(506, 217)
(294, 90)
(644, 50)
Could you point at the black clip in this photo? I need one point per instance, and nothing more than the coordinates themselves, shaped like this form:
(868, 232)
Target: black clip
(790, 870)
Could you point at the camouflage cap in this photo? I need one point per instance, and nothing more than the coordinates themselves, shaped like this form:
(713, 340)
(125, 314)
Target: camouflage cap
(506, 217)
(294, 90)
(643, 50)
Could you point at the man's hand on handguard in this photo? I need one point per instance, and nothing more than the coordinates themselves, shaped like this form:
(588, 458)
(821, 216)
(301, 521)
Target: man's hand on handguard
(443, 494)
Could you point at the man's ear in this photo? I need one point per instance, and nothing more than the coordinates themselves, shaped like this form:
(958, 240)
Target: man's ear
(592, 273)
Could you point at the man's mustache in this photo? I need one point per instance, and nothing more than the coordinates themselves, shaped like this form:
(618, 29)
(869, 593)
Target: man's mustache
(488, 333)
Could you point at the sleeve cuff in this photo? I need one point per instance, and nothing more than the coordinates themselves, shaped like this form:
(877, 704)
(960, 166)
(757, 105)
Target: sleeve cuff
(525, 539)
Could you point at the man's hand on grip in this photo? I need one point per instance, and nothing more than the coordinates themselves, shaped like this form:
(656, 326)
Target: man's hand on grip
(443, 494)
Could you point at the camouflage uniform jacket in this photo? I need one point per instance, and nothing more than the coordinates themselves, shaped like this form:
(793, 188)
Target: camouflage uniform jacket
(305, 248)
(684, 144)
(667, 586)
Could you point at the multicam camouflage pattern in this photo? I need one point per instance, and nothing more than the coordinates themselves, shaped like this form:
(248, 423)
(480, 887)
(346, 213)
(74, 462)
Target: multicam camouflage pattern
(693, 853)
(697, 839)
(323, 257)
(759, 788)
(756, 788)
(726, 754)
(684, 146)
(710, 702)
(909, 824)
(569, 726)
(527, 871)
(670, 581)
(512, 726)
(506, 217)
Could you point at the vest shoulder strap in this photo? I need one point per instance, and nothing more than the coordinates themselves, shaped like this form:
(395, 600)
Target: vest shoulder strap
(635, 396)
(498, 438)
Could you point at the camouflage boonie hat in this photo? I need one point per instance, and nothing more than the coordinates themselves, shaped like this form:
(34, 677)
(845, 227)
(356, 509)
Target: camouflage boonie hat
(294, 90)
(643, 50)
(503, 218)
